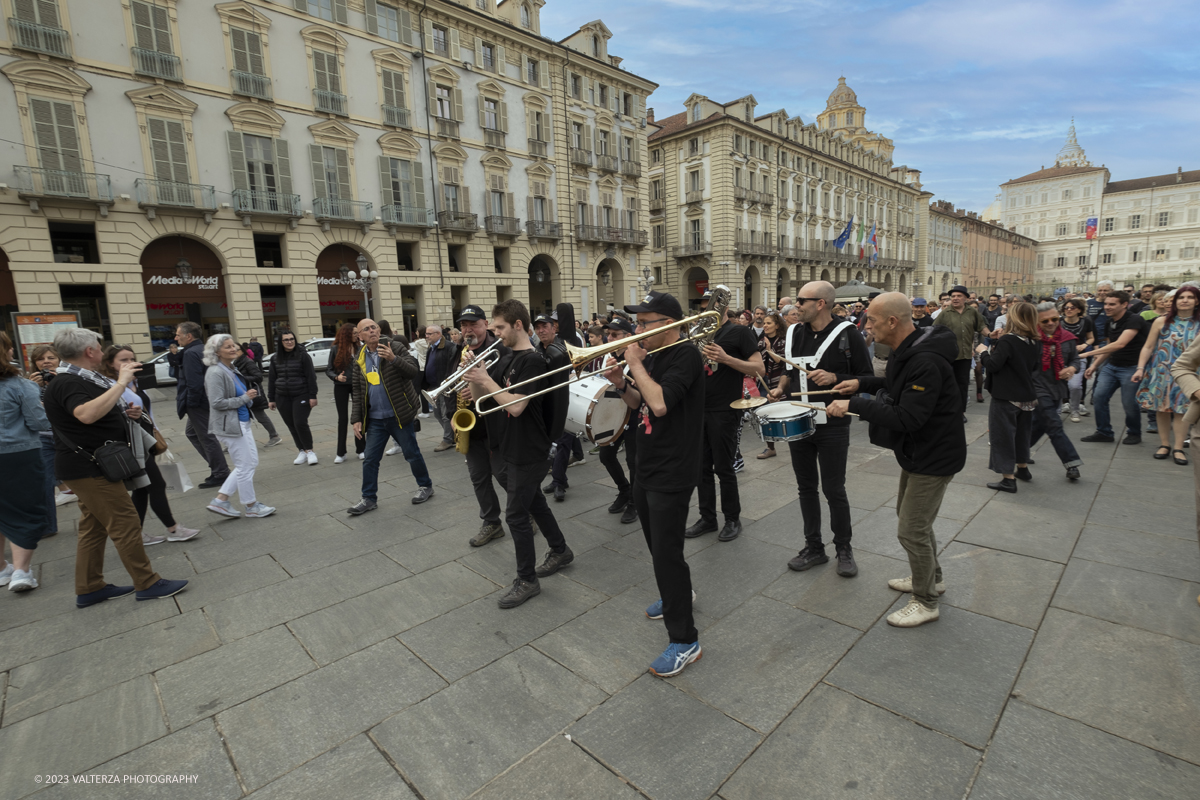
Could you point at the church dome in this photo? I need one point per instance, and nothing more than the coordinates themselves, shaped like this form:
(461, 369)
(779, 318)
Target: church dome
(842, 95)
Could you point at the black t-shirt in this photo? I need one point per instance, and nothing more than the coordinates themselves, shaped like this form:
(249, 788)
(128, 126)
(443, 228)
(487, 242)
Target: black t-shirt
(525, 439)
(1080, 329)
(1127, 356)
(64, 394)
(923, 322)
(724, 384)
(848, 357)
(669, 447)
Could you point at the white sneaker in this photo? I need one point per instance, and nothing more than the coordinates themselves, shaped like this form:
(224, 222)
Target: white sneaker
(149, 539)
(912, 615)
(905, 585)
(1074, 416)
(6, 574)
(62, 498)
(302, 458)
(22, 581)
(391, 451)
(1083, 412)
(362, 456)
(423, 416)
(223, 507)
(312, 457)
(259, 510)
(339, 459)
(182, 534)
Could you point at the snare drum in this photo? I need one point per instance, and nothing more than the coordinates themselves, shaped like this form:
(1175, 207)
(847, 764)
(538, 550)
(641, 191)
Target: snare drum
(784, 422)
(596, 412)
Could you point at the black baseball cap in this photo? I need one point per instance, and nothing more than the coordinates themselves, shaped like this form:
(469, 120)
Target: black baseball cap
(543, 318)
(707, 295)
(658, 303)
(619, 324)
(471, 314)
(961, 289)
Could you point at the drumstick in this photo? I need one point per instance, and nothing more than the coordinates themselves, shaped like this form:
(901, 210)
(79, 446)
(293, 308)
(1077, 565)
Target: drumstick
(820, 391)
(820, 408)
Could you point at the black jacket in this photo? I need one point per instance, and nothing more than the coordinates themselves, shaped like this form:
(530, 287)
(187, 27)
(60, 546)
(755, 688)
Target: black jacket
(293, 376)
(920, 420)
(1010, 366)
(332, 373)
(189, 392)
(253, 373)
(445, 360)
(1049, 385)
(556, 403)
(257, 349)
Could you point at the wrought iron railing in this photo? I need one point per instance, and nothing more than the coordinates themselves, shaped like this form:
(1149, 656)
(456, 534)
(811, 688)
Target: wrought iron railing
(604, 233)
(447, 128)
(156, 64)
(251, 85)
(330, 102)
(692, 248)
(38, 182)
(502, 226)
(537, 148)
(581, 157)
(396, 117)
(171, 193)
(540, 229)
(347, 210)
(458, 221)
(246, 201)
(492, 138)
(39, 38)
(407, 215)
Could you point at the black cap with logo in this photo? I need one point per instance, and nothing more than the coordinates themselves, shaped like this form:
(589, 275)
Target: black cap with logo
(619, 324)
(658, 303)
(471, 314)
(543, 318)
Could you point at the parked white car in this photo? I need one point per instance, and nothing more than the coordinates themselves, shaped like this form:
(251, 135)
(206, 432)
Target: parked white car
(317, 348)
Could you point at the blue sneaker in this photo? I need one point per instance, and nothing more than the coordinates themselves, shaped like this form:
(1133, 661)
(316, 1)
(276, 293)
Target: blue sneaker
(675, 658)
(654, 610)
(163, 588)
(100, 595)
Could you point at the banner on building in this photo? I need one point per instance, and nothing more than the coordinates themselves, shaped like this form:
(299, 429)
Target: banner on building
(34, 329)
(1091, 227)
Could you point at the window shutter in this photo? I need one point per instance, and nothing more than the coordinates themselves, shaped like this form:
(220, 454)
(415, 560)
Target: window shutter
(501, 64)
(479, 53)
(300, 5)
(524, 68)
(614, 99)
(429, 35)
(237, 160)
(465, 193)
(418, 173)
(510, 204)
(343, 172)
(544, 74)
(320, 190)
(530, 129)
(482, 112)
(431, 92)
(385, 182)
(143, 26)
(529, 207)
(162, 30)
(406, 28)
(320, 73)
(25, 11)
(283, 166)
(339, 11)
(458, 105)
(168, 150)
(587, 137)
(702, 178)
(504, 117)
(393, 89)
(372, 14)
(241, 58)
(454, 45)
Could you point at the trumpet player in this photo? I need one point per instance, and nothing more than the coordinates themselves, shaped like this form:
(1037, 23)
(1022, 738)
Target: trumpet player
(484, 461)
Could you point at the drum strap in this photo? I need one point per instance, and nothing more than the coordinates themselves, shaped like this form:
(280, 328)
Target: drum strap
(812, 361)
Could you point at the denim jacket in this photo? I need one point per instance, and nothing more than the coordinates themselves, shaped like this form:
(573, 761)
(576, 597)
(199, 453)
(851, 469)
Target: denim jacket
(21, 416)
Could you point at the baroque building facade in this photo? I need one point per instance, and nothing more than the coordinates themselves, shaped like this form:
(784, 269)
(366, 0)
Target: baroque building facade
(941, 250)
(754, 201)
(1147, 229)
(229, 162)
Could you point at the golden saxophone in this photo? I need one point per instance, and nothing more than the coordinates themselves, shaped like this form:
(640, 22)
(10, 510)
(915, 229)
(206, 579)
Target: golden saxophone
(463, 419)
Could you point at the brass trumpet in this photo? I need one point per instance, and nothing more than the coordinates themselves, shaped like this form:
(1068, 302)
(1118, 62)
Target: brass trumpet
(456, 383)
(698, 328)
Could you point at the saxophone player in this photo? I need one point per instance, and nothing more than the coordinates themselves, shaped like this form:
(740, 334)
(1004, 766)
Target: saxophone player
(483, 456)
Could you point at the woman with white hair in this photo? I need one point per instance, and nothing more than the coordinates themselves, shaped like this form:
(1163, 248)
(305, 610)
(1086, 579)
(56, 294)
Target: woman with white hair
(229, 400)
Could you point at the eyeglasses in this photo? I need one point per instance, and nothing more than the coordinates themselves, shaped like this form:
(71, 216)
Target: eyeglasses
(643, 323)
(1049, 319)
(802, 300)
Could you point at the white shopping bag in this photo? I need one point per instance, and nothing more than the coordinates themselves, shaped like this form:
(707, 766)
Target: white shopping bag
(174, 473)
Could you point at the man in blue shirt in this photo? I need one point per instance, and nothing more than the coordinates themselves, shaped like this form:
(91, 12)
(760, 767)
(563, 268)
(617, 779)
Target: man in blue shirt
(1095, 310)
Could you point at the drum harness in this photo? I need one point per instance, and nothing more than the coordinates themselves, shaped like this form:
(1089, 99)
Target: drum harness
(811, 362)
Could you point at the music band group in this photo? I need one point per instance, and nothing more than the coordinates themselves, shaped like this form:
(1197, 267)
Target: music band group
(678, 411)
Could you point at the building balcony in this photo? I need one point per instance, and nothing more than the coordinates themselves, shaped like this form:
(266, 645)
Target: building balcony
(656, 205)
(248, 203)
(692, 248)
(537, 148)
(396, 117)
(581, 158)
(332, 209)
(502, 226)
(35, 183)
(540, 229)
(740, 192)
(330, 102)
(695, 196)
(790, 253)
(459, 221)
(251, 85)
(152, 194)
(493, 138)
(156, 64)
(39, 38)
(904, 264)
(631, 169)
(753, 248)
(766, 198)
(606, 162)
(604, 233)
(407, 216)
(447, 128)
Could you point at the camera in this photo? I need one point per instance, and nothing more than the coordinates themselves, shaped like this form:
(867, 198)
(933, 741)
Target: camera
(47, 376)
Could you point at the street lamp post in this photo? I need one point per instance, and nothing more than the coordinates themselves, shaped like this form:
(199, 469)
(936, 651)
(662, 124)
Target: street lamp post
(647, 280)
(362, 281)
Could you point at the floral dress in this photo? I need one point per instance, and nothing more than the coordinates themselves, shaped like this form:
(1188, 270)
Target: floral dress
(1157, 392)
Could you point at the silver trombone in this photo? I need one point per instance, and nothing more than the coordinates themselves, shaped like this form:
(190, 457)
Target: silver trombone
(456, 383)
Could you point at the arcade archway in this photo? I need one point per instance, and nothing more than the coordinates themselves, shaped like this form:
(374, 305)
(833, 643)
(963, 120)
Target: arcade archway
(340, 301)
(543, 284)
(182, 279)
(695, 284)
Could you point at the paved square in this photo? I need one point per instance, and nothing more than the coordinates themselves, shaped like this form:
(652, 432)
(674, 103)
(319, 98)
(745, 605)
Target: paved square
(316, 654)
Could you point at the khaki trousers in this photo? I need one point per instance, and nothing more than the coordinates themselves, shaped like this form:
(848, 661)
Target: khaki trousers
(918, 504)
(108, 513)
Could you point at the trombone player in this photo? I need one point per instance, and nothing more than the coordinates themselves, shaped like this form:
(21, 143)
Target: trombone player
(483, 456)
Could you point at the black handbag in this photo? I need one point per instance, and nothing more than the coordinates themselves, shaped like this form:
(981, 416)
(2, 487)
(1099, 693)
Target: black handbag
(115, 459)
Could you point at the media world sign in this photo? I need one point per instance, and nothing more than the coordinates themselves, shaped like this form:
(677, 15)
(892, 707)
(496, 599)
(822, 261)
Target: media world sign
(199, 281)
(332, 282)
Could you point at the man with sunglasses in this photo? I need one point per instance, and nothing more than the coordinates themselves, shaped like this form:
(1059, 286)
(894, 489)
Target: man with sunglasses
(1060, 362)
(735, 353)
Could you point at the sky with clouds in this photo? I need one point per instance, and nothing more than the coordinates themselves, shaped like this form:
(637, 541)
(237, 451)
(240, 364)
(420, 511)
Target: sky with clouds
(972, 93)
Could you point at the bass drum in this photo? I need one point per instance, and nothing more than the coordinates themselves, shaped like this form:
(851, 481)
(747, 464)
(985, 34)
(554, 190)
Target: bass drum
(596, 412)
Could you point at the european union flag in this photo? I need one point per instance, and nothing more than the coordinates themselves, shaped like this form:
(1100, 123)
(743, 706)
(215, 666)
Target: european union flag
(840, 242)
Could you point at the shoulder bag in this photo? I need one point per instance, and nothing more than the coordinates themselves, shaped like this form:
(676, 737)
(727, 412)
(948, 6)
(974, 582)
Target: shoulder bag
(115, 459)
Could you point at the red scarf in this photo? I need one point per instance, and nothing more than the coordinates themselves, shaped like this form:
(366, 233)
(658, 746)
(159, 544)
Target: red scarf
(1052, 358)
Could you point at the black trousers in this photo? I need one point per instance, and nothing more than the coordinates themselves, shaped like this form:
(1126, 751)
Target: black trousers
(205, 443)
(720, 444)
(482, 465)
(824, 452)
(612, 462)
(1009, 432)
(341, 401)
(155, 495)
(664, 516)
(295, 411)
(568, 445)
(525, 499)
(962, 375)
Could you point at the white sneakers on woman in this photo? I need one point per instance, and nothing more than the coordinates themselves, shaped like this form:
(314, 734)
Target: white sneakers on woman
(339, 459)
(312, 457)
(302, 458)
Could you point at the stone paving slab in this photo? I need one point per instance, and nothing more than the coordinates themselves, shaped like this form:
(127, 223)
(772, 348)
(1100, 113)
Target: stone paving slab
(857, 602)
(1006, 586)
(558, 770)
(465, 735)
(1129, 597)
(1027, 531)
(1146, 552)
(837, 745)
(355, 769)
(636, 733)
(1039, 754)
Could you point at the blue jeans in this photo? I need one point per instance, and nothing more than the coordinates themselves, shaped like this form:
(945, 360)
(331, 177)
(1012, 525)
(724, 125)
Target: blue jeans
(1107, 382)
(378, 432)
(51, 482)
